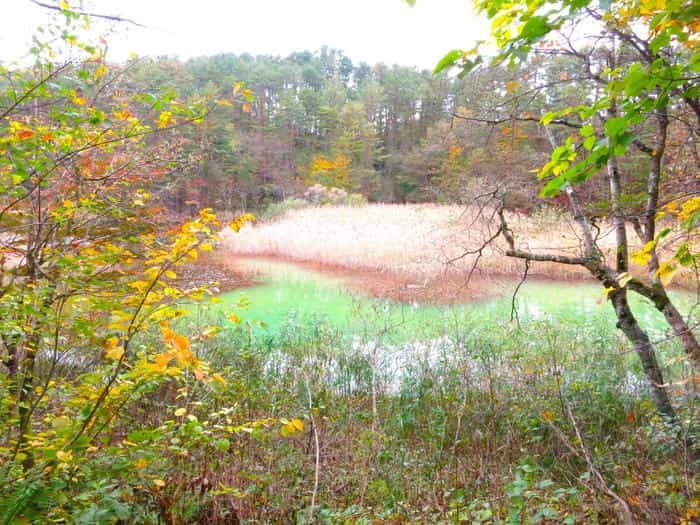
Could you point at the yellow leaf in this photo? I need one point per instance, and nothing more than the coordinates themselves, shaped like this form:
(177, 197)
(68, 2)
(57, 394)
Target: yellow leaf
(165, 119)
(234, 318)
(689, 208)
(548, 415)
(115, 353)
(141, 463)
(298, 424)
(122, 114)
(623, 279)
(170, 274)
(210, 331)
(159, 483)
(240, 221)
(100, 71)
(64, 457)
(666, 273)
(643, 256)
(608, 291)
(113, 350)
(180, 412)
(219, 379)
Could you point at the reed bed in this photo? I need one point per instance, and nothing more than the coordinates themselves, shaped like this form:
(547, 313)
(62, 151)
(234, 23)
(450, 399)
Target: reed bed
(421, 240)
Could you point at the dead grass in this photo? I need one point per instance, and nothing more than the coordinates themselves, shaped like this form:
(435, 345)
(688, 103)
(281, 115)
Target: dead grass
(421, 241)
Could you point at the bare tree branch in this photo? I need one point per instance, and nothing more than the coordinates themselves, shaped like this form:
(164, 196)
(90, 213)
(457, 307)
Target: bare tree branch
(113, 18)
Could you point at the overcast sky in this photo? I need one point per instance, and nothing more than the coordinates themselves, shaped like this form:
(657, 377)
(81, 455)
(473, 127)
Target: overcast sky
(367, 30)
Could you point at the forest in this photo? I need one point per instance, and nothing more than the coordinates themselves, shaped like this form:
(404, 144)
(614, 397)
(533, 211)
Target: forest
(250, 288)
(388, 133)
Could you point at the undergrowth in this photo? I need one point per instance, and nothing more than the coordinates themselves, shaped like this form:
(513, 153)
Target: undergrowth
(541, 423)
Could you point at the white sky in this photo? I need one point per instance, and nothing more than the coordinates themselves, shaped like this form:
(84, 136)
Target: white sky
(386, 31)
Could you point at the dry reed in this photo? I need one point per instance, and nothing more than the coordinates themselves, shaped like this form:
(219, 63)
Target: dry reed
(420, 240)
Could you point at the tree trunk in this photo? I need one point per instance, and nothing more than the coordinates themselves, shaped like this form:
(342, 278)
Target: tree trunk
(662, 302)
(684, 333)
(645, 350)
(25, 396)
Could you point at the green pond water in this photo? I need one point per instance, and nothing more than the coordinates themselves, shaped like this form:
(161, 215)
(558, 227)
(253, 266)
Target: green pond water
(287, 289)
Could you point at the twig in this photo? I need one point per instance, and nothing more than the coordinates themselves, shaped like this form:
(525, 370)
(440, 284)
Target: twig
(317, 464)
(113, 18)
(514, 299)
(627, 515)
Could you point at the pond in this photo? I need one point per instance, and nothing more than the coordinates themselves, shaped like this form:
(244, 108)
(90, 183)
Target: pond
(282, 289)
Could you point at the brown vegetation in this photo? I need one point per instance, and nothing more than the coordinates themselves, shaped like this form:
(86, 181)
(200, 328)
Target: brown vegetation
(416, 252)
(416, 244)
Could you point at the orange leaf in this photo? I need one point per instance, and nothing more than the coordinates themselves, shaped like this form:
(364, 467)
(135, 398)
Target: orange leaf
(25, 134)
(181, 342)
(162, 360)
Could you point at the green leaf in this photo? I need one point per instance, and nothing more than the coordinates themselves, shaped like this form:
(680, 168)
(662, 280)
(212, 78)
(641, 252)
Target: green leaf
(469, 65)
(660, 41)
(536, 27)
(548, 118)
(636, 80)
(587, 131)
(449, 60)
(622, 142)
(615, 126)
(683, 255)
(223, 444)
(553, 187)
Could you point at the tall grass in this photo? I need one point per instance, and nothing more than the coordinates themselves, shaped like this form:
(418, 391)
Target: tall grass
(423, 241)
